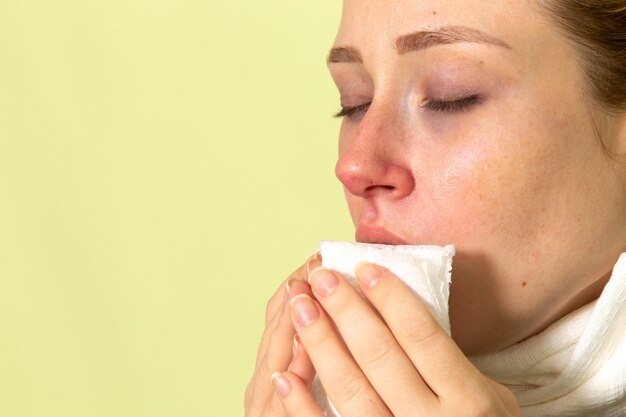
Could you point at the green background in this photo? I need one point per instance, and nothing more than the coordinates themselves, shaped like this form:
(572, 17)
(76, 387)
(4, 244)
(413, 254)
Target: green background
(164, 165)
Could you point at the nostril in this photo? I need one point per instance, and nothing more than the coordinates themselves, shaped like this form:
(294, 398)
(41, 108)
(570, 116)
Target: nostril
(378, 187)
(371, 174)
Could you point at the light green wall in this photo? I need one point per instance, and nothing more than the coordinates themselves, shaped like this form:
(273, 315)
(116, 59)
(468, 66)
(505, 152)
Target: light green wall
(163, 166)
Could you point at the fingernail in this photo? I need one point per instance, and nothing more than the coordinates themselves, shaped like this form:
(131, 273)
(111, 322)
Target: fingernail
(308, 277)
(288, 283)
(316, 257)
(296, 343)
(323, 282)
(281, 383)
(368, 274)
(305, 310)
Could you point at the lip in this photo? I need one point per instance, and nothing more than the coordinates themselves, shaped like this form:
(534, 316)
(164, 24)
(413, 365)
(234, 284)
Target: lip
(376, 234)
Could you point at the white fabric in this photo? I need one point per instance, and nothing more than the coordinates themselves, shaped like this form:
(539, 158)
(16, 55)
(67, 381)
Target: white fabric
(577, 366)
(425, 270)
(574, 368)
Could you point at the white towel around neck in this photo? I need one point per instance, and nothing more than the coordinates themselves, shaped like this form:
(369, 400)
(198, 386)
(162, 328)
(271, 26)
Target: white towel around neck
(574, 368)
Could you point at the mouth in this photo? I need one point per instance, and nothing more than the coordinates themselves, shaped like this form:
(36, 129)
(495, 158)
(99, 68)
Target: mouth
(380, 235)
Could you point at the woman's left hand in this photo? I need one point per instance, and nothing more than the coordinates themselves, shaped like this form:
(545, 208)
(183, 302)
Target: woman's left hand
(401, 365)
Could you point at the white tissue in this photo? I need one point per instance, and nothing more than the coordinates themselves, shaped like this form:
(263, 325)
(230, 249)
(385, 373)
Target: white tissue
(425, 269)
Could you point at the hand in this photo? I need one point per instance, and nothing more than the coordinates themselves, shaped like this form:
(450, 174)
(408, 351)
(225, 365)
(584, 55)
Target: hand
(276, 351)
(403, 366)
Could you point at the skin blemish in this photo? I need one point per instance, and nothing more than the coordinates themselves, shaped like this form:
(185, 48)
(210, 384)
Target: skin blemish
(524, 284)
(434, 12)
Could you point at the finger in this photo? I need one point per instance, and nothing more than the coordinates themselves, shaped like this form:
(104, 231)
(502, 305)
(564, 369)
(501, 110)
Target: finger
(275, 303)
(438, 359)
(294, 396)
(277, 355)
(267, 333)
(301, 274)
(344, 382)
(274, 407)
(259, 390)
(373, 346)
(300, 366)
(282, 317)
(273, 312)
(506, 397)
(313, 262)
(270, 327)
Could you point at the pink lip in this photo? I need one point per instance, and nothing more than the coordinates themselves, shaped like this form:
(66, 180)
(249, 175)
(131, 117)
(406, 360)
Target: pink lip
(373, 234)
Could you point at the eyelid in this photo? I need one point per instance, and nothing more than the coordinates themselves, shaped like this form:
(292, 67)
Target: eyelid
(352, 111)
(452, 104)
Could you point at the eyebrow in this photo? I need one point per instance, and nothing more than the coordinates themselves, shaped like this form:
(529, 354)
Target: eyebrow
(343, 54)
(420, 40)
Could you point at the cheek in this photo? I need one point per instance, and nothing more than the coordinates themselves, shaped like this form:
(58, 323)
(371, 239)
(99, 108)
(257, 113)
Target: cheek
(481, 192)
(480, 195)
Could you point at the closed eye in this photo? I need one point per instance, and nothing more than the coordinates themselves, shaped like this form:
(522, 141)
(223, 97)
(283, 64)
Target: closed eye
(352, 112)
(438, 105)
(456, 105)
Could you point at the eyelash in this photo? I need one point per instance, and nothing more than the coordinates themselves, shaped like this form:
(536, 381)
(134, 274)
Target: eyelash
(450, 106)
(351, 111)
(456, 105)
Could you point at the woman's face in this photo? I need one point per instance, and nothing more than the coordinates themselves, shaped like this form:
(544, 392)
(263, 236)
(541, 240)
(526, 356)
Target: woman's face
(478, 134)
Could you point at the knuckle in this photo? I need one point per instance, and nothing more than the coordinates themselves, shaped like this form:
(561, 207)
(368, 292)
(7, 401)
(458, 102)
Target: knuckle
(264, 368)
(509, 398)
(274, 408)
(271, 363)
(420, 333)
(349, 389)
(377, 353)
(506, 394)
(248, 394)
(270, 310)
(481, 407)
(505, 397)
(484, 410)
(342, 309)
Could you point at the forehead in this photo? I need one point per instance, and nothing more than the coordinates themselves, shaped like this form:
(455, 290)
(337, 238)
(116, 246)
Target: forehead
(376, 24)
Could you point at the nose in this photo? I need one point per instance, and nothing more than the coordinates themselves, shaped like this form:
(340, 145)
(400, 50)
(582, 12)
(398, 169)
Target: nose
(373, 161)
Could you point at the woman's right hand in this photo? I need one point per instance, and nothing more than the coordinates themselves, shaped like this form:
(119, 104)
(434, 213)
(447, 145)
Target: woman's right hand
(278, 349)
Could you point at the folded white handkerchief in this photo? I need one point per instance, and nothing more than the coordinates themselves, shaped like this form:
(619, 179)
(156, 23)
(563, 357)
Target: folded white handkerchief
(425, 269)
